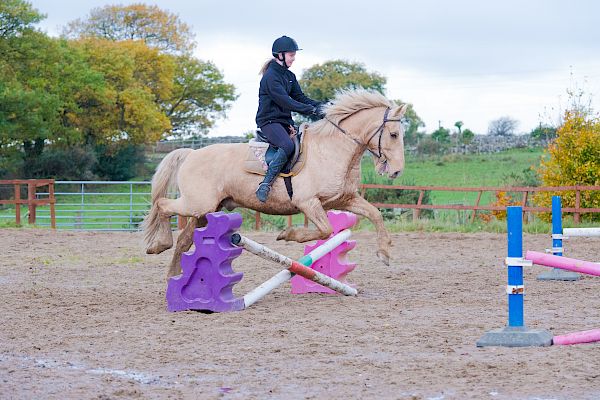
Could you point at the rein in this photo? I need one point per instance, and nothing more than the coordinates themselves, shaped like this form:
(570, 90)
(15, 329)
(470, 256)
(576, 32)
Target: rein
(379, 131)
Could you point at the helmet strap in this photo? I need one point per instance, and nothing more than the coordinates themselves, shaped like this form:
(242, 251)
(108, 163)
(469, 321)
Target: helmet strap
(283, 59)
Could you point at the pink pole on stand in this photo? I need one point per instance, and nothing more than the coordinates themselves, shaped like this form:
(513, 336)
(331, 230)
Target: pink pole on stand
(578, 337)
(570, 264)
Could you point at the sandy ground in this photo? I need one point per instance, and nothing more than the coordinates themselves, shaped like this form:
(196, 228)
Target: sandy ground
(83, 317)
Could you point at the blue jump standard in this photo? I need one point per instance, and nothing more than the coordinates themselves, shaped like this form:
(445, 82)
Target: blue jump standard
(515, 334)
(557, 274)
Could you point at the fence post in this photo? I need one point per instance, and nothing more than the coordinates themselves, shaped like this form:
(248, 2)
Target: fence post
(31, 189)
(417, 211)
(52, 205)
(577, 204)
(18, 203)
(476, 205)
(257, 221)
(524, 204)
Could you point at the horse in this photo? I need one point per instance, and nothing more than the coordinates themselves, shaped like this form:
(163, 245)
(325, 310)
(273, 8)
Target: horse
(212, 178)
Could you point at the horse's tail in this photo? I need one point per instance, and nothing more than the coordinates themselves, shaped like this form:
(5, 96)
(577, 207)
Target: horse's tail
(163, 181)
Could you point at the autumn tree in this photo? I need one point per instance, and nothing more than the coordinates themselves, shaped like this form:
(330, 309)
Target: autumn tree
(155, 27)
(322, 81)
(198, 95)
(573, 158)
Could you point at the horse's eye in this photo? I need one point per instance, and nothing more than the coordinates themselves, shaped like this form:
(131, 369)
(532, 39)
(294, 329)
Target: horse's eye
(394, 135)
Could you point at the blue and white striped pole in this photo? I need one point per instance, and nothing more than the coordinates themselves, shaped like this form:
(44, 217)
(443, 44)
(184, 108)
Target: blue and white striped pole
(515, 334)
(557, 274)
(515, 288)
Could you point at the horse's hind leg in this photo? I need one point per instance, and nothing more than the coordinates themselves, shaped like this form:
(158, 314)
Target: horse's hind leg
(184, 242)
(316, 214)
(161, 235)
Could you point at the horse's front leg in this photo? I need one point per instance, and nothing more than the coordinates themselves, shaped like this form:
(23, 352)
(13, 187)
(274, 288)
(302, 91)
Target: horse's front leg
(362, 207)
(316, 214)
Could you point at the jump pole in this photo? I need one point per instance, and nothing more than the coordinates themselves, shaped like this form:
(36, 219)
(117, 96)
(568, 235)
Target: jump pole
(577, 337)
(582, 232)
(300, 267)
(515, 334)
(569, 264)
(557, 274)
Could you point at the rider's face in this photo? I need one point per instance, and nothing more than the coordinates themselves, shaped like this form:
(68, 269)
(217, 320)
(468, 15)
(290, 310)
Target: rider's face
(290, 57)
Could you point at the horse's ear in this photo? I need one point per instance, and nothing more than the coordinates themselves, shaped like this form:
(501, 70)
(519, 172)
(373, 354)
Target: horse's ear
(398, 112)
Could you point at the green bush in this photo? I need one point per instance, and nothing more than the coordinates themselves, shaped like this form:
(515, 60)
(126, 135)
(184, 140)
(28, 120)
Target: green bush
(119, 162)
(70, 163)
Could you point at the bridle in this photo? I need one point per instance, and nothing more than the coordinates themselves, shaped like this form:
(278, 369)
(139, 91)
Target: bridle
(379, 131)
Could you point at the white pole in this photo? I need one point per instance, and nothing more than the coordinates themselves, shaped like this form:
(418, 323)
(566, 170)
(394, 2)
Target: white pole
(582, 232)
(264, 289)
(293, 267)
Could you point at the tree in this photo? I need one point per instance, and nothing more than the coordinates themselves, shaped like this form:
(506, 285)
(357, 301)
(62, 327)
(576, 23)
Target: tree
(441, 135)
(46, 87)
(138, 79)
(322, 81)
(155, 27)
(467, 136)
(573, 158)
(412, 134)
(543, 132)
(458, 125)
(199, 96)
(16, 16)
(504, 126)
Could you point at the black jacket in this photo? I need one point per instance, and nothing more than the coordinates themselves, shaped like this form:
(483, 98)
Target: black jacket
(280, 94)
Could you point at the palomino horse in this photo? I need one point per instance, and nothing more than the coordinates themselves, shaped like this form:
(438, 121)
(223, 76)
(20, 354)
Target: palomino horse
(213, 177)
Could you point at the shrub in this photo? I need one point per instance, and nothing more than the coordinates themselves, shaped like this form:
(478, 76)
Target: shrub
(69, 163)
(573, 158)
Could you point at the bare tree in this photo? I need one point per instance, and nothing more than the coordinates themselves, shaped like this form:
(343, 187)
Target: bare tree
(504, 126)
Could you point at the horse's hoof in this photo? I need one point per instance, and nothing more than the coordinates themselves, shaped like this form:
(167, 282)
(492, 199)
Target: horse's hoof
(384, 256)
(158, 248)
(283, 235)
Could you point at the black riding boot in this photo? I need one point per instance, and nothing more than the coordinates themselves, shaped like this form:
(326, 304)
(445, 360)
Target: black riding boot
(275, 166)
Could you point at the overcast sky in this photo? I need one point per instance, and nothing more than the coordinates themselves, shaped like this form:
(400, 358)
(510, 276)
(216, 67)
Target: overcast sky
(468, 60)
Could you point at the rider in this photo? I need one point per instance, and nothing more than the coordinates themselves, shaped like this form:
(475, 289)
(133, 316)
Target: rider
(280, 94)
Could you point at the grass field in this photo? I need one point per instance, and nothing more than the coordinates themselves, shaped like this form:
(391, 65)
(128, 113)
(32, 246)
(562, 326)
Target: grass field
(472, 170)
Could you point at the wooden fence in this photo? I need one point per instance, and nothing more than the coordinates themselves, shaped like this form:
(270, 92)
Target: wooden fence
(31, 201)
(474, 208)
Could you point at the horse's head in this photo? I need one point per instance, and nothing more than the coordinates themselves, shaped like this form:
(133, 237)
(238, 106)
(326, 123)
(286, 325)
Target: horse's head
(387, 143)
(371, 121)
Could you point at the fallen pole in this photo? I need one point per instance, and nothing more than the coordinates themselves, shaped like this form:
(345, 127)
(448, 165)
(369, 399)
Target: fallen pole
(570, 264)
(578, 337)
(293, 267)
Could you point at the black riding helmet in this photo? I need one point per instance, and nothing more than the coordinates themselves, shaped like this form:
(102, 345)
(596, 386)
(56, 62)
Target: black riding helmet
(281, 46)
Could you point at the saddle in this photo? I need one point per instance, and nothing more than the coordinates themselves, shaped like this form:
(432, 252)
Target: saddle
(261, 152)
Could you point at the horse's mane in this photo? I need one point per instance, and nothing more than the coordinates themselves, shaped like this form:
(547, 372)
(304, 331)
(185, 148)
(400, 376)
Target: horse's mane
(348, 102)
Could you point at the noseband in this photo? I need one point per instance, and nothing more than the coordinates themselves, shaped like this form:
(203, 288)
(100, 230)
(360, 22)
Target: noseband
(379, 131)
